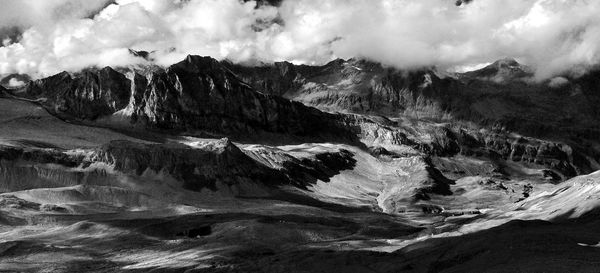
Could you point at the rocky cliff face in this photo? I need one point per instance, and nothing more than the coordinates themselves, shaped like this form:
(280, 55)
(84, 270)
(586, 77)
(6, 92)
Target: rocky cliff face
(273, 79)
(208, 164)
(29, 168)
(355, 85)
(498, 144)
(200, 93)
(196, 168)
(85, 95)
(196, 94)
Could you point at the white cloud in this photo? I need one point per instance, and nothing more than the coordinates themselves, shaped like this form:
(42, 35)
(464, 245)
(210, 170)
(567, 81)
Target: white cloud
(15, 82)
(553, 36)
(558, 82)
(26, 13)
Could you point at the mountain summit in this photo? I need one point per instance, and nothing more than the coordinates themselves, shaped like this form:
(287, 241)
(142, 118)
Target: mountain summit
(503, 70)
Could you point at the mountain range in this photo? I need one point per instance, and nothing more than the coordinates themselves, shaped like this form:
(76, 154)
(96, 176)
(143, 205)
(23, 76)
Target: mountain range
(213, 166)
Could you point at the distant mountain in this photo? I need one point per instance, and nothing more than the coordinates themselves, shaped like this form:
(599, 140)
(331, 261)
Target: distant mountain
(501, 95)
(355, 85)
(142, 54)
(502, 71)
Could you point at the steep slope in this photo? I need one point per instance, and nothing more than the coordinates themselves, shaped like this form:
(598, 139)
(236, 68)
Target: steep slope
(569, 200)
(355, 85)
(25, 123)
(204, 164)
(85, 95)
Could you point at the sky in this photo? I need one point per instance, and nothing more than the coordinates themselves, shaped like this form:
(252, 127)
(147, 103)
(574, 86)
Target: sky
(554, 37)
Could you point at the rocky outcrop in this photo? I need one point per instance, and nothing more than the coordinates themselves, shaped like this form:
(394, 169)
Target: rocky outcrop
(9, 201)
(197, 168)
(322, 167)
(447, 140)
(200, 166)
(42, 156)
(379, 131)
(86, 95)
(29, 168)
(273, 79)
(492, 144)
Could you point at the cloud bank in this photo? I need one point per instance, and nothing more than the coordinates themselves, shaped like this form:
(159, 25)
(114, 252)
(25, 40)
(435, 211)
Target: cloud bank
(552, 36)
